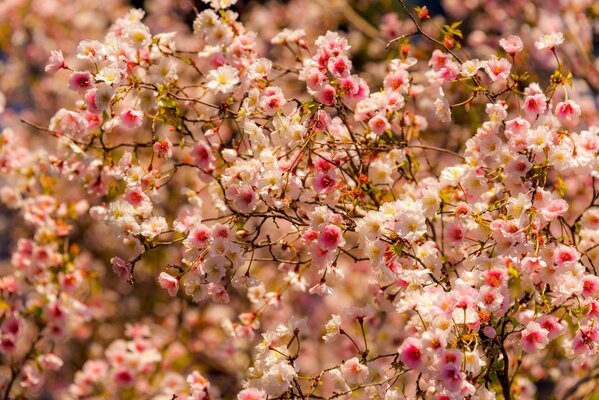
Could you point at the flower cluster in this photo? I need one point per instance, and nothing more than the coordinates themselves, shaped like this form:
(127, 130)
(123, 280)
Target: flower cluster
(282, 219)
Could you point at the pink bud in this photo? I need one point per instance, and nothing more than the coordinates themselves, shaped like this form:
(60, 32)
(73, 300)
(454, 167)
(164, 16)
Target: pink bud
(169, 282)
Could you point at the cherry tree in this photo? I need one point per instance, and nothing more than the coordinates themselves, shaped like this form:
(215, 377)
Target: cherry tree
(404, 211)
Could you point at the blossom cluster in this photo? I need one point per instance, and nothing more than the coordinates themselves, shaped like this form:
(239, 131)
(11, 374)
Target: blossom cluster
(229, 214)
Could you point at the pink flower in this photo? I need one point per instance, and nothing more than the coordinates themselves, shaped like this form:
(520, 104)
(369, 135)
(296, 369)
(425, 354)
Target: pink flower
(202, 155)
(320, 120)
(535, 104)
(218, 293)
(397, 81)
(272, 100)
(452, 377)
(354, 372)
(455, 232)
(11, 326)
(590, 285)
(251, 394)
(51, 361)
(135, 196)
(7, 344)
(512, 44)
(567, 111)
(163, 148)
(197, 381)
(81, 81)
(565, 255)
(55, 62)
(200, 236)
(438, 59)
(131, 118)
(327, 95)
(449, 72)
(330, 237)
(124, 378)
(410, 353)
(496, 278)
(90, 101)
(379, 124)
(332, 44)
(516, 126)
(244, 198)
(498, 68)
(552, 325)
(534, 337)
(550, 41)
(121, 267)
(489, 332)
(339, 67)
(586, 340)
(490, 298)
(554, 209)
(169, 282)
(324, 182)
(30, 376)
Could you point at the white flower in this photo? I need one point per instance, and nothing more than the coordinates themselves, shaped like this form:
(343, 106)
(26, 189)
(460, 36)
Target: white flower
(90, 50)
(288, 36)
(110, 75)
(332, 327)
(442, 110)
(260, 68)
(470, 67)
(139, 34)
(218, 4)
(154, 227)
(103, 97)
(550, 41)
(354, 372)
(223, 79)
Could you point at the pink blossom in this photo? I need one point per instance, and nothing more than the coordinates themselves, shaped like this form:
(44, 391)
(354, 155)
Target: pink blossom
(199, 236)
(379, 124)
(411, 354)
(489, 332)
(340, 66)
(550, 41)
(535, 104)
(163, 148)
(534, 337)
(131, 118)
(565, 255)
(327, 95)
(354, 372)
(568, 111)
(202, 155)
(452, 377)
(124, 378)
(324, 182)
(55, 62)
(498, 68)
(251, 394)
(586, 340)
(554, 209)
(169, 282)
(590, 285)
(330, 237)
(51, 361)
(121, 267)
(512, 44)
(80, 81)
